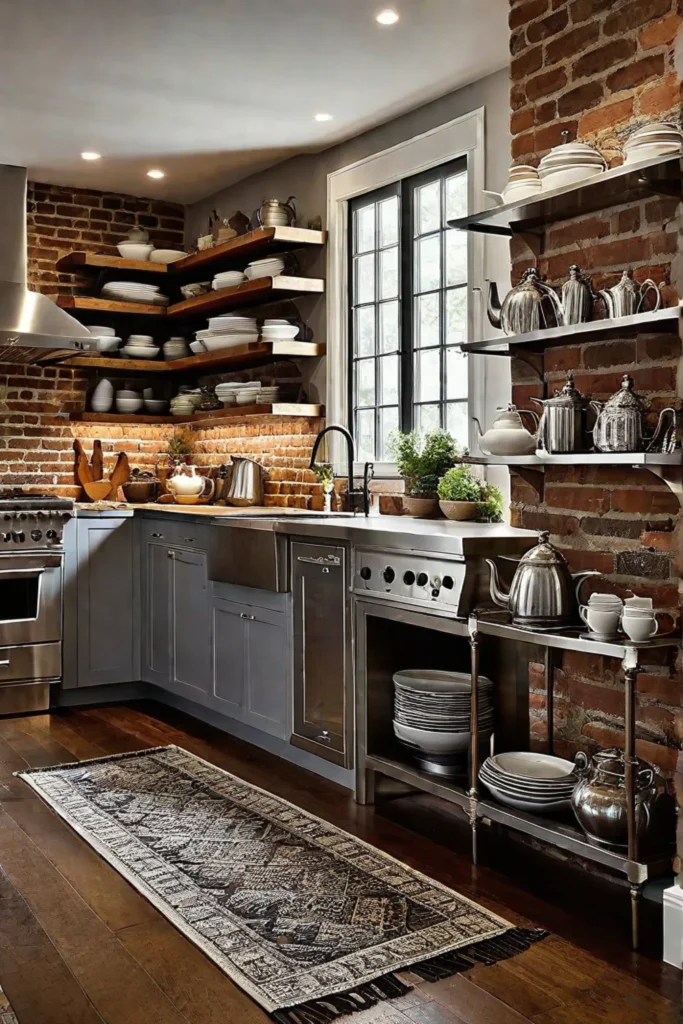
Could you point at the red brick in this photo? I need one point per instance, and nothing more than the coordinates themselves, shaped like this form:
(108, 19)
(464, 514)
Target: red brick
(553, 134)
(546, 112)
(526, 12)
(546, 83)
(571, 43)
(571, 232)
(603, 57)
(607, 116)
(584, 499)
(562, 358)
(577, 100)
(636, 73)
(521, 121)
(634, 14)
(581, 10)
(660, 97)
(545, 28)
(660, 33)
(645, 502)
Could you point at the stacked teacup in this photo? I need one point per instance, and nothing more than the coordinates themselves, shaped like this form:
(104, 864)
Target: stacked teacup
(638, 619)
(602, 615)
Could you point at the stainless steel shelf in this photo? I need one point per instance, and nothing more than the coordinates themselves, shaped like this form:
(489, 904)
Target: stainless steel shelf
(624, 184)
(667, 319)
(543, 459)
(572, 640)
(423, 781)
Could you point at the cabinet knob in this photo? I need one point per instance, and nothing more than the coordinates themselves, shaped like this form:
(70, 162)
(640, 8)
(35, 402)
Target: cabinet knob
(243, 615)
(171, 554)
(157, 535)
(189, 540)
(324, 737)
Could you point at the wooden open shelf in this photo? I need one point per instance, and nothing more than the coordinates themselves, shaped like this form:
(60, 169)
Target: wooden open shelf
(264, 289)
(73, 262)
(209, 419)
(245, 248)
(89, 302)
(240, 357)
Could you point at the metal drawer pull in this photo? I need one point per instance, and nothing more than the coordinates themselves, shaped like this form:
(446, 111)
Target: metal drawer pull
(3, 664)
(189, 540)
(243, 615)
(171, 554)
(324, 737)
(157, 535)
(321, 560)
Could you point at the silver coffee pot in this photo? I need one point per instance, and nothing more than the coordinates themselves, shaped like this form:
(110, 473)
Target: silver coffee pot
(543, 593)
(274, 214)
(619, 426)
(246, 485)
(530, 306)
(577, 298)
(627, 296)
(561, 428)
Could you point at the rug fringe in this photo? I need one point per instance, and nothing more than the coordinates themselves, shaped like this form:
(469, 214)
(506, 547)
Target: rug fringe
(487, 952)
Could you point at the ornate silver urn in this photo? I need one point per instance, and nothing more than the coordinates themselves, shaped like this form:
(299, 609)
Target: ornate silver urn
(531, 305)
(619, 426)
(577, 298)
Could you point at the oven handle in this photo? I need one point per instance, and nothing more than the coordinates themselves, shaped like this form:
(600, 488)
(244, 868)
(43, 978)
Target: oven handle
(13, 574)
(28, 564)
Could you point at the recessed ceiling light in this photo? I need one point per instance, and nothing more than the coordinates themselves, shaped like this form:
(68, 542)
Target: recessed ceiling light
(155, 174)
(90, 155)
(322, 117)
(387, 17)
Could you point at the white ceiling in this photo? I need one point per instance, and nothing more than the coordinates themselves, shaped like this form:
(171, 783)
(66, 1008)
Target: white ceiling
(213, 90)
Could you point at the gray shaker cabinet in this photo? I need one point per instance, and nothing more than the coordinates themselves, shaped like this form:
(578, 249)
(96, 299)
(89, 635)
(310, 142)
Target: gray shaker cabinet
(102, 598)
(250, 667)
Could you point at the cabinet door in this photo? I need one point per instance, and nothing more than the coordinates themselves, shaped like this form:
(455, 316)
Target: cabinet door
(157, 613)
(190, 623)
(323, 715)
(107, 592)
(229, 657)
(267, 675)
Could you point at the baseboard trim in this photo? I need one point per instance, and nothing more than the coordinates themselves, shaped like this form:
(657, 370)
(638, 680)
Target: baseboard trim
(673, 926)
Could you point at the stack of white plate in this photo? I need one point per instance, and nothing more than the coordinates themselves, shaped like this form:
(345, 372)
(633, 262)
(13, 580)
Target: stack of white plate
(652, 141)
(523, 182)
(228, 393)
(568, 164)
(272, 266)
(133, 291)
(432, 713)
(227, 331)
(228, 279)
(530, 781)
(279, 330)
(140, 346)
(268, 396)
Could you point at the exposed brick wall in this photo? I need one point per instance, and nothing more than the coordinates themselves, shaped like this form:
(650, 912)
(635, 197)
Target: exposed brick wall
(598, 68)
(36, 436)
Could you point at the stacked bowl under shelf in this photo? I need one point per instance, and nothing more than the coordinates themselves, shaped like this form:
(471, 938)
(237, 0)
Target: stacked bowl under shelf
(432, 717)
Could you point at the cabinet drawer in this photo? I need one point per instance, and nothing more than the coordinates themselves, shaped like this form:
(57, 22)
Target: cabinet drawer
(34, 661)
(269, 599)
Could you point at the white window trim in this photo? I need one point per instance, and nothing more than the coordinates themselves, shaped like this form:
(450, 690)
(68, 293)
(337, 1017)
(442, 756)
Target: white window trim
(463, 136)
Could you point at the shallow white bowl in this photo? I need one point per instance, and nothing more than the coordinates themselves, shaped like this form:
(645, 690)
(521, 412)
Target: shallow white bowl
(135, 250)
(197, 347)
(433, 742)
(530, 765)
(156, 406)
(108, 344)
(128, 393)
(569, 176)
(279, 333)
(128, 405)
(140, 351)
(102, 332)
(166, 255)
(140, 339)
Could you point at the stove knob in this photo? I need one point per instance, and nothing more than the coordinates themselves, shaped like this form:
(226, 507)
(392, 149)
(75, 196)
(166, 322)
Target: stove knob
(422, 579)
(366, 572)
(19, 537)
(23, 516)
(448, 582)
(36, 534)
(388, 575)
(409, 578)
(7, 537)
(7, 517)
(52, 535)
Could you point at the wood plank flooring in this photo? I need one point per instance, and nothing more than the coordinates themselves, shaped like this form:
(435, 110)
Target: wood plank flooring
(78, 945)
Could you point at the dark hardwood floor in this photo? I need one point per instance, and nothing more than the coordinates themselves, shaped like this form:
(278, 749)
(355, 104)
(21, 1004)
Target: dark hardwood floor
(78, 945)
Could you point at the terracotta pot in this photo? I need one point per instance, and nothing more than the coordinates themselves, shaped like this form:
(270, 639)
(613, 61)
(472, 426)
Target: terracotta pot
(422, 508)
(459, 510)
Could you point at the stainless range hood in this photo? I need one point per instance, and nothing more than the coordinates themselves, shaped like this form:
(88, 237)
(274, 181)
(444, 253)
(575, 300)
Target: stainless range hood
(29, 321)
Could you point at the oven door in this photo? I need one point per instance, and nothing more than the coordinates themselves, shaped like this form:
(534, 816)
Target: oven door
(30, 599)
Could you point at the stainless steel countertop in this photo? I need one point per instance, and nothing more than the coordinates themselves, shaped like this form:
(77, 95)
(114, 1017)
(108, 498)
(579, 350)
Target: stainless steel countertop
(406, 532)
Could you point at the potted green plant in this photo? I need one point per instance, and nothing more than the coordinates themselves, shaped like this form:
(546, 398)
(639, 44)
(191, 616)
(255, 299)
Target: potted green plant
(179, 446)
(463, 496)
(421, 462)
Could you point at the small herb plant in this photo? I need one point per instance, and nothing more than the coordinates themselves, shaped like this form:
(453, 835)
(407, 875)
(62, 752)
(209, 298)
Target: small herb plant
(460, 484)
(179, 446)
(422, 461)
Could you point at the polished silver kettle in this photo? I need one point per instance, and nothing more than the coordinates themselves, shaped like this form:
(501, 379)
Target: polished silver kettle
(246, 486)
(543, 594)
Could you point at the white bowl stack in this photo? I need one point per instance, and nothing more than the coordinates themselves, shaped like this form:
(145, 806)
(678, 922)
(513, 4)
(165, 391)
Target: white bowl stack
(523, 183)
(652, 141)
(140, 346)
(228, 331)
(432, 715)
(228, 279)
(528, 781)
(272, 266)
(134, 291)
(568, 164)
(279, 330)
(243, 393)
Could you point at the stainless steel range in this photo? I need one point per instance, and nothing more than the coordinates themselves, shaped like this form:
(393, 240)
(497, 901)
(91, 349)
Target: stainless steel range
(31, 585)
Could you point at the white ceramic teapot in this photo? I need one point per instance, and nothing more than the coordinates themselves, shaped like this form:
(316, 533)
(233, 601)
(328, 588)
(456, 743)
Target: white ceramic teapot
(508, 435)
(188, 487)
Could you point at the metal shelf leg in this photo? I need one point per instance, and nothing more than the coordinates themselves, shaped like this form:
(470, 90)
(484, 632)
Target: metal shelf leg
(630, 666)
(474, 725)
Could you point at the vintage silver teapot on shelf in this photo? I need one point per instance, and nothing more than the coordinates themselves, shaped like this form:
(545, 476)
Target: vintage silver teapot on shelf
(561, 427)
(619, 426)
(274, 214)
(531, 305)
(627, 296)
(600, 800)
(543, 593)
(508, 435)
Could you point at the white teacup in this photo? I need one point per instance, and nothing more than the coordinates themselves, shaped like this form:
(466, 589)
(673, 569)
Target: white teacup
(600, 620)
(639, 627)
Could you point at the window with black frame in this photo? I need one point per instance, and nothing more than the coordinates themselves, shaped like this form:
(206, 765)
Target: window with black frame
(408, 310)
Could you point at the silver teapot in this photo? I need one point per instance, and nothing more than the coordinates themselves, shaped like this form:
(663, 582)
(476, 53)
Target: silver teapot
(619, 426)
(561, 427)
(600, 800)
(627, 296)
(274, 214)
(577, 298)
(531, 305)
(543, 594)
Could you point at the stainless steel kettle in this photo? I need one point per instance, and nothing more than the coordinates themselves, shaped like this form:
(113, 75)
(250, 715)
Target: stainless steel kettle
(246, 486)
(274, 214)
(543, 593)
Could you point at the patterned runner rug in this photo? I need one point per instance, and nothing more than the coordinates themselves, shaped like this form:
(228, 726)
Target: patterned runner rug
(6, 1015)
(310, 921)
